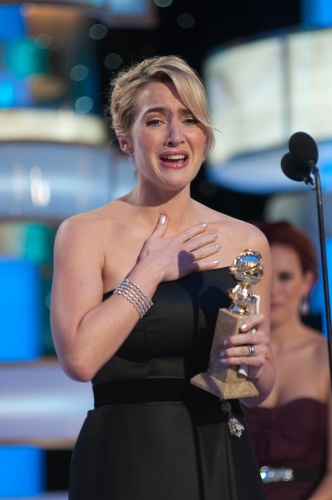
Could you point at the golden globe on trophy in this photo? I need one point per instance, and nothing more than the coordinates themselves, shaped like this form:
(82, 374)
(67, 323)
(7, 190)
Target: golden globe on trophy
(229, 382)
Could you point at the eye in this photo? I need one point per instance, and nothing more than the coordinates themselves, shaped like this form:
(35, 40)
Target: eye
(285, 276)
(154, 122)
(191, 120)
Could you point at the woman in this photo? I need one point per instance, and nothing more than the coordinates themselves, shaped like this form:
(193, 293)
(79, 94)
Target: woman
(137, 287)
(291, 430)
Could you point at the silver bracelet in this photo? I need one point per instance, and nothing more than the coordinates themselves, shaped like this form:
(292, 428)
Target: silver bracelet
(135, 295)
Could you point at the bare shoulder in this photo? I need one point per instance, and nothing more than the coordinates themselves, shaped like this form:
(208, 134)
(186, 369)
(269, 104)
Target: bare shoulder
(249, 232)
(89, 228)
(319, 343)
(236, 234)
(314, 346)
(76, 227)
(318, 355)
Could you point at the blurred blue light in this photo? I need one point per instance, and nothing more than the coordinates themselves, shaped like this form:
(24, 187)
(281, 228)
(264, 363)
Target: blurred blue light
(317, 13)
(318, 297)
(20, 317)
(22, 471)
(118, 7)
(6, 94)
(260, 172)
(14, 92)
(122, 7)
(11, 22)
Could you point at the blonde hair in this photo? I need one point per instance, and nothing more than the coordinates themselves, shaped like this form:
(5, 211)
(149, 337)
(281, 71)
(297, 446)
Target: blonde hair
(125, 86)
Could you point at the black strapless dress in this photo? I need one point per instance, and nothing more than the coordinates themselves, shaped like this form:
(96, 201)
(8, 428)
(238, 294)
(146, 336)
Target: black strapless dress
(153, 435)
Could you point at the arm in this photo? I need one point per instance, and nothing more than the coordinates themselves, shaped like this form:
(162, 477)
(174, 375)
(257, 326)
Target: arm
(87, 331)
(235, 349)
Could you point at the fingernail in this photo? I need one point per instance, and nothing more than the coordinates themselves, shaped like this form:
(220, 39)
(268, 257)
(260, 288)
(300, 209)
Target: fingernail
(217, 245)
(243, 327)
(162, 219)
(204, 224)
(215, 262)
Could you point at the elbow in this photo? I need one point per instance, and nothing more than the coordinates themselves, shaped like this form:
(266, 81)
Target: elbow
(77, 375)
(74, 361)
(77, 368)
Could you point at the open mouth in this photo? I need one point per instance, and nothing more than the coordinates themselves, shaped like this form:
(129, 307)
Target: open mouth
(176, 160)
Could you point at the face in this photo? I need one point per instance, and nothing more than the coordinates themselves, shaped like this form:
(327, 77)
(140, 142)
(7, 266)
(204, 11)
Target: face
(289, 284)
(166, 141)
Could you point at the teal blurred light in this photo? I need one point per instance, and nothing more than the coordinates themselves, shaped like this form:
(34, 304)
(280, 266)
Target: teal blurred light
(24, 57)
(125, 7)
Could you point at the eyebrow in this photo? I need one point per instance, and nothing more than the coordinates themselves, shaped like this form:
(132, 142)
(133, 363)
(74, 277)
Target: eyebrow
(159, 109)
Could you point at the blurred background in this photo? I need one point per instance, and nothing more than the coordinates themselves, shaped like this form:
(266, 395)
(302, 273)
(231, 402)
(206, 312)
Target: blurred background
(267, 68)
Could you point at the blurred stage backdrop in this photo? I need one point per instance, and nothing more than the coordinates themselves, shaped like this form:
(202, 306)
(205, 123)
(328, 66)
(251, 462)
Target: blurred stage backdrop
(267, 67)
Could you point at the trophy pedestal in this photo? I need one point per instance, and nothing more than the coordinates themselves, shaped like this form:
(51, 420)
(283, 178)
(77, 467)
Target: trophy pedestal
(225, 381)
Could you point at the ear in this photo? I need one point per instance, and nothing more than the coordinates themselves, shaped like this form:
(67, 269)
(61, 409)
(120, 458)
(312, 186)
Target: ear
(125, 145)
(308, 281)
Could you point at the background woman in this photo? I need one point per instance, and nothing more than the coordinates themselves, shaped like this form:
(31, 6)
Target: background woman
(292, 429)
(137, 288)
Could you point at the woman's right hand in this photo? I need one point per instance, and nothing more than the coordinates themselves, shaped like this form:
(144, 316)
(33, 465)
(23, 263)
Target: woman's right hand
(87, 331)
(190, 250)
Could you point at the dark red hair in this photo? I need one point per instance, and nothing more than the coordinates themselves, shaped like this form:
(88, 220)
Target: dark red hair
(285, 233)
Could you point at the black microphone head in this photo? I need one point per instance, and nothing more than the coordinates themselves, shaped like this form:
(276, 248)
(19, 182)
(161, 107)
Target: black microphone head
(303, 148)
(293, 170)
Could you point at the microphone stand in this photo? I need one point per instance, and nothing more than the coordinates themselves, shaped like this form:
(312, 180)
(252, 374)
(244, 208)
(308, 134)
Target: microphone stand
(316, 186)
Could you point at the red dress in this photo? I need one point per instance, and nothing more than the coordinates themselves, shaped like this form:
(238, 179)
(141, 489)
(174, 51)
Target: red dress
(293, 436)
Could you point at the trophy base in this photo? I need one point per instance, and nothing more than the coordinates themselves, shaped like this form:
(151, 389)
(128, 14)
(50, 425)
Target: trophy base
(224, 390)
(220, 380)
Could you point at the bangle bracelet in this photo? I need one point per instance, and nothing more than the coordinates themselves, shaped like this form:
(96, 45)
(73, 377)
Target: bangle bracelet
(135, 295)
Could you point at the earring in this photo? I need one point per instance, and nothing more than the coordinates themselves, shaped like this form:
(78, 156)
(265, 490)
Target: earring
(305, 307)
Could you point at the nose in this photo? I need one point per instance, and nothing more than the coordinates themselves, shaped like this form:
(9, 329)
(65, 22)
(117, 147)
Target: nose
(275, 286)
(175, 135)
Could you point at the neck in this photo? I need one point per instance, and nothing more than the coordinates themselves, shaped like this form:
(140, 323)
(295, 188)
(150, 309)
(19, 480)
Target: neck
(179, 208)
(287, 334)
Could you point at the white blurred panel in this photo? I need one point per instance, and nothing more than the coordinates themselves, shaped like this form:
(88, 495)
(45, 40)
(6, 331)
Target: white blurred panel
(40, 404)
(310, 71)
(262, 92)
(54, 180)
(245, 89)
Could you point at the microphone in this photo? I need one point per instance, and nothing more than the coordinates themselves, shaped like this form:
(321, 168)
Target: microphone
(303, 149)
(293, 170)
(298, 165)
(302, 158)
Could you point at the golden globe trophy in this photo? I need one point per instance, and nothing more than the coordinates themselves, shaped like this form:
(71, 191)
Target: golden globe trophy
(229, 382)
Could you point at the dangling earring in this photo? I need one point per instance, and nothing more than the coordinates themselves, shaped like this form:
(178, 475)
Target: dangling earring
(305, 307)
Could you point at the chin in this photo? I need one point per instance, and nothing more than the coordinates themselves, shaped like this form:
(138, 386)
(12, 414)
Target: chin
(275, 320)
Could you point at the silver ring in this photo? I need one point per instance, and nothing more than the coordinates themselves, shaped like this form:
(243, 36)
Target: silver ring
(251, 351)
